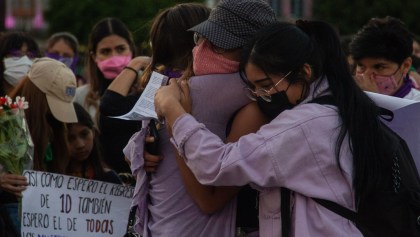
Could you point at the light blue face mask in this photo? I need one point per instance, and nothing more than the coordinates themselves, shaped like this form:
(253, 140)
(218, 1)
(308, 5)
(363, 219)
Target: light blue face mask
(16, 68)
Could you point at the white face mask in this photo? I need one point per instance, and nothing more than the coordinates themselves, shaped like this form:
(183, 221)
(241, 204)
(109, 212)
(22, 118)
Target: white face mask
(16, 68)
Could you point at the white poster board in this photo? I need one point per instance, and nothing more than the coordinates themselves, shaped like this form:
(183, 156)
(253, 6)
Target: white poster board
(405, 122)
(67, 206)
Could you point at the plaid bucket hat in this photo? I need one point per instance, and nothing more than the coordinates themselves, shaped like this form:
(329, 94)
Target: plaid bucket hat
(234, 22)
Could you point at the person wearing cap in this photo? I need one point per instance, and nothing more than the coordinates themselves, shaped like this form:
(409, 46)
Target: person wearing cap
(315, 145)
(49, 87)
(215, 66)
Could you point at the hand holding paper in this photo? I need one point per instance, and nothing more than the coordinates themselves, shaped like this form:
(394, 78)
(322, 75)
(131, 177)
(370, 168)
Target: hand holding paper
(145, 108)
(170, 100)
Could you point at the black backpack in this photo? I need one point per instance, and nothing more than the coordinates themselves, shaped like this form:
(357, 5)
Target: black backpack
(395, 211)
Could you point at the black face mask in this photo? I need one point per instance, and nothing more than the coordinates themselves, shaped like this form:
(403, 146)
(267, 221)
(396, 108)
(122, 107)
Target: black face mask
(279, 103)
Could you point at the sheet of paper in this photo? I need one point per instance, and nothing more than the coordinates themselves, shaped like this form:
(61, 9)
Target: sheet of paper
(405, 122)
(145, 106)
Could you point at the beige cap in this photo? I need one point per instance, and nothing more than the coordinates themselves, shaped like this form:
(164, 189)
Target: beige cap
(58, 83)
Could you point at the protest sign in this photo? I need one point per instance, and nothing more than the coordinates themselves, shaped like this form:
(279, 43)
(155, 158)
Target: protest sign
(406, 116)
(65, 206)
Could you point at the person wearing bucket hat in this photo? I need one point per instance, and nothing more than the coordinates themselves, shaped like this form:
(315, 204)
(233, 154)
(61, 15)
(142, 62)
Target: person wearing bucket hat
(232, 23)
(316, 144)
(216, 90)
(219, 39)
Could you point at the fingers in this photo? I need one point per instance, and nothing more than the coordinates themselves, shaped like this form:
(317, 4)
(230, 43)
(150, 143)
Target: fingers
(15, 190)
(151, 162)
(12, 179)
(14, 184)
(149, 139)
(140, 62)
(173, 81)
(166, 97)
(151, 158)
(127, 160)
(150, 168)
(365, 82)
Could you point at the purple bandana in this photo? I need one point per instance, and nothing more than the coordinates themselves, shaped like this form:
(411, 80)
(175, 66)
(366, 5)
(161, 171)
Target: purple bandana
(169, 72)
(70, 62)
(405, 88)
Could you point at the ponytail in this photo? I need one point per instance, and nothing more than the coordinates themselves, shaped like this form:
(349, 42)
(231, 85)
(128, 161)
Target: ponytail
(358, 113)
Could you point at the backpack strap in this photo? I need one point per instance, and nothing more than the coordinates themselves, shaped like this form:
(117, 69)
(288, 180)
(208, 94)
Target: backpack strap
(330, 205)
(285, 211)
(337, 208)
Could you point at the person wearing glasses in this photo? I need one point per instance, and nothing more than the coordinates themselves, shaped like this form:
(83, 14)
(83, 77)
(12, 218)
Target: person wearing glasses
(217, 93)
(314, 149)
(382, 52)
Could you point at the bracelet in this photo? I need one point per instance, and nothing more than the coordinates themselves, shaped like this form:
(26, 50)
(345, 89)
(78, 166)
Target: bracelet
(132, 69)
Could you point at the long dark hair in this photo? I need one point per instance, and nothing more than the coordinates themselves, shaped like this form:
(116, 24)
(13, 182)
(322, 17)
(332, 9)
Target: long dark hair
(44, 129)
(171, 43)
(103, 28)
(284, 47)
(94, 161)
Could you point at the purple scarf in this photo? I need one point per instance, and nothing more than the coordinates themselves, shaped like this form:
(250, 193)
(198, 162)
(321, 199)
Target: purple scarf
(405, 88)
(169, 72)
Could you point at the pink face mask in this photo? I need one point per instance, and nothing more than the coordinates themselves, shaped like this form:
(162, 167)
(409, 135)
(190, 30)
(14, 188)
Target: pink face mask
(112, 66)
(208, 62)
(387, 85)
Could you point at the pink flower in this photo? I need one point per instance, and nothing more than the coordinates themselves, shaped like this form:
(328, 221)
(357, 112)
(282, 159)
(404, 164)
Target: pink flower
(21, 103)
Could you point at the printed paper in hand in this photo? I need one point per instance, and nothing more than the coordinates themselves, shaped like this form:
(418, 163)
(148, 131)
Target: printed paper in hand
(145, 106)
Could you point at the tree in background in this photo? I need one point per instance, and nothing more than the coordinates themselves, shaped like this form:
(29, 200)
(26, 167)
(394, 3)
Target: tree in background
(350, 15)
(79, 16)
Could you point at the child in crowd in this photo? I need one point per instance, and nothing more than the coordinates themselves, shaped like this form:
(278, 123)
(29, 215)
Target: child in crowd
(85, 154)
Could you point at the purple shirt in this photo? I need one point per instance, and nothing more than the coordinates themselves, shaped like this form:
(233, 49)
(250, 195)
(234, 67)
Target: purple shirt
(172, 211)
(295, 150)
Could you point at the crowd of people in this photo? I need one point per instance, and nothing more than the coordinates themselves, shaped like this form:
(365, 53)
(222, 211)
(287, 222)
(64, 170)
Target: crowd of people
(240, 118)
